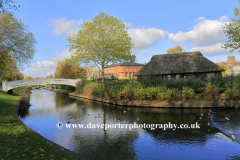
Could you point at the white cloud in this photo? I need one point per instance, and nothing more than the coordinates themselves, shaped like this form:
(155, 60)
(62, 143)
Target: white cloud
(62, 56)
(38, 73)
(225, 59)
(144, 38)
(200, 18)
(62, 25)
(223, 18)
(205, 32)
(45, 64)
(211, 49)
(127, 24)
(45, 68)
(143, 52)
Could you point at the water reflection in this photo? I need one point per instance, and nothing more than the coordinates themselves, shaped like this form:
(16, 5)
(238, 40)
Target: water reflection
(209, 142)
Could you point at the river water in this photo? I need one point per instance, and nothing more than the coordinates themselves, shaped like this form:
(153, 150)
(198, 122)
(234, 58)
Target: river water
(210, 141)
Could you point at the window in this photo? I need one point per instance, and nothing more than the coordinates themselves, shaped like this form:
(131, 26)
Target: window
(177, 76)
(169, 77)
(130, 69)
(130, 74)
(133, 69)
(116, 70)
(126, 74)
(133, 74)
(126, 70)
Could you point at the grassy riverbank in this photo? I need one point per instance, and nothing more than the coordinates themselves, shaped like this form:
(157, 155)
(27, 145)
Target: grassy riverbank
(16, 141)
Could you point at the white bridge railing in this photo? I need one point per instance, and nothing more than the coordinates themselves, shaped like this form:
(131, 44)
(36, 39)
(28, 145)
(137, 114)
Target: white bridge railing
(8, 85)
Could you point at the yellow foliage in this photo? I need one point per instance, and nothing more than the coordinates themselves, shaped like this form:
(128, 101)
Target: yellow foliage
(177, 49)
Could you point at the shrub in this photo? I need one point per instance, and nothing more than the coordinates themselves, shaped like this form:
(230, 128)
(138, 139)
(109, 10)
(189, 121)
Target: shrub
(170, 94)
(188, 93)
(127, 93)
(79, 90)
(99, 90)
(210, 91)
(126, 80)
(81, 83)
(48, 85)
(232, 91)
(89, 88)
(24, 102)
(113, 89)
(27, 90)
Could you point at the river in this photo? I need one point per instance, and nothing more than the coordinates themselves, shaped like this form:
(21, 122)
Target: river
(54, 115)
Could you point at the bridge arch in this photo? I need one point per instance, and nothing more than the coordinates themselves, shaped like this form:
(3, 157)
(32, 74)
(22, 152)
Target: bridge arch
(9, 85)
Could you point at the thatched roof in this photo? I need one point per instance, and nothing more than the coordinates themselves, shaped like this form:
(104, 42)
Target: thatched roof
(188, 62)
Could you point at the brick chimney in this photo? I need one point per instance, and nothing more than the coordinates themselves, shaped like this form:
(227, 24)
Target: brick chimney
(145, 63)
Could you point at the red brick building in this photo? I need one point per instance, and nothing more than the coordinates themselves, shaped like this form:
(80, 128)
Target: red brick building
(124, 70)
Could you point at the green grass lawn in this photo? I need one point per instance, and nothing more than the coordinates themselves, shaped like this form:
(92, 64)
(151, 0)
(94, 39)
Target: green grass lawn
(16, 141)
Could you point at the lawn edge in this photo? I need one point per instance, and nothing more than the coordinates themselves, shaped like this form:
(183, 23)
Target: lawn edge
(56, 146)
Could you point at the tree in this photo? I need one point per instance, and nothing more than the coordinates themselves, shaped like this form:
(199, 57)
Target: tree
(177, 49)
(67, 70)
(50, 76)
(16, 42)
(232, 32)
(100, 41)
(7, 67)
(6, 5)
(37, 78)
(27, 77)
(224, 73)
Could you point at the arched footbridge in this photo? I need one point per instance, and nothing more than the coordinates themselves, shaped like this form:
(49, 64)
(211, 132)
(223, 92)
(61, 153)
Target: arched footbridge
(9, 85)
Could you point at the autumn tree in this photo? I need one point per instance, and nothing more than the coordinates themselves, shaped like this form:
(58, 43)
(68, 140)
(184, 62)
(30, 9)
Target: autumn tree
(37, 78)
(232, 32)
(100, 41)
(50, 76)
(177, 49)
(27, 77)
(224, 73)
(67, 70)
(16, 42)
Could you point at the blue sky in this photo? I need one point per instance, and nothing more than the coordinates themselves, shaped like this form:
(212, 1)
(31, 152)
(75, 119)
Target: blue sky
(154, 26)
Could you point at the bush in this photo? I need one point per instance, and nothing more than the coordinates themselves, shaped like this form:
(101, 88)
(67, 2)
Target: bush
(89, 88)
(188, 93)
(24, 102)
(99, 90)
(48, 85)
(210, 91)
(126, 80)
(27, 90)
(127, 93)
(113, 89)
(79, 85)
(169, 94)
(232, 91)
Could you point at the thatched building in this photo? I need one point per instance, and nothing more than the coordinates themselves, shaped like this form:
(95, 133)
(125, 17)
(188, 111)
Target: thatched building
(179, 65)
